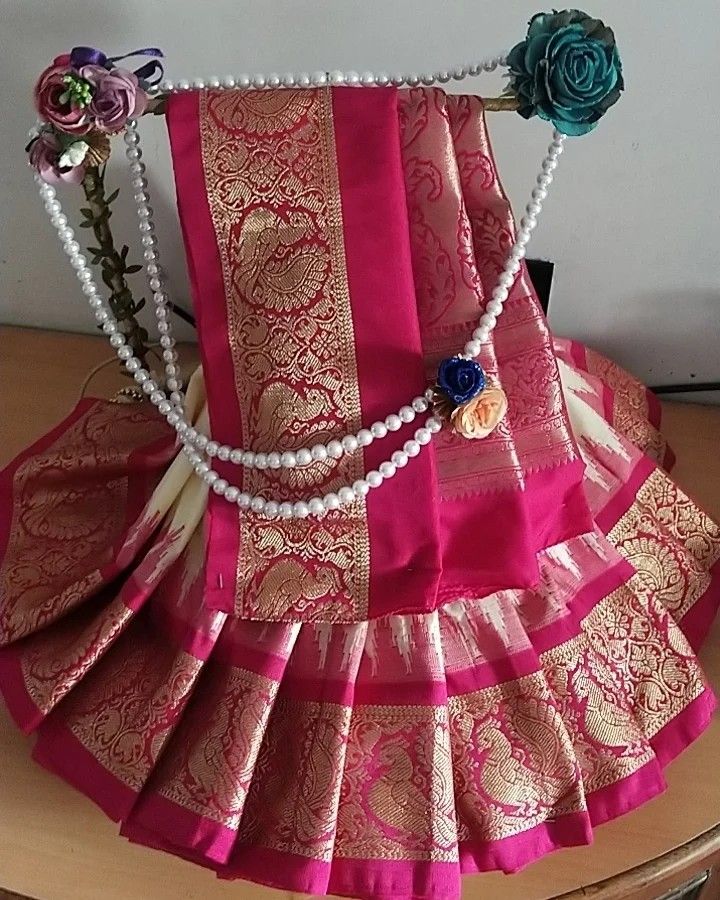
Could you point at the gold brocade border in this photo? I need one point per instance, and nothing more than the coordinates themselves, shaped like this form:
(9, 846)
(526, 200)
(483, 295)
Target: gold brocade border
(65, 515)
(670, 542)
(272, 183)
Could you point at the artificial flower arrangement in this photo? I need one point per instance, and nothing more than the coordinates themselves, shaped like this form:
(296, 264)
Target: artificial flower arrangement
(567, 71)
(82, 99)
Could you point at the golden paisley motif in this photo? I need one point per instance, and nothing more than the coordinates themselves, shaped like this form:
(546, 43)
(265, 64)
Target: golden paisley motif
(260, 113)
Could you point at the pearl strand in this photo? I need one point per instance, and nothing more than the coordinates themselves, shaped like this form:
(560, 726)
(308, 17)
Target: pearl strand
(173, 412)
(334, 78)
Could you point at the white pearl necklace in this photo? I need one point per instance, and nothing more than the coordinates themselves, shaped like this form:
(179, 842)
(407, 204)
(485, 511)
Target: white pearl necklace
(335, 78)
(199, 447)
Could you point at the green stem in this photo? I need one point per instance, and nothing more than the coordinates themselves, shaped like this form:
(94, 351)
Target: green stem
(113, 263)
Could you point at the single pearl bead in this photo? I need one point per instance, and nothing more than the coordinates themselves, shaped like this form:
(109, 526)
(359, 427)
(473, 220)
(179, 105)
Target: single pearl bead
(433, 425)
(258, 81)
(337, 77)
(378, 429)
(228, 81)
(393, 422)
(244, 81)
(420, 404)
(219, 485)
(423, 436)
(481, 334)
(183, 85)
(505, 282)
(367, 78)
(232, 493)
(382, 78)
(236, 457)
(273, 80)
(273, 460)
(261, 461)
(459, 73)
(285, 510)
(201, 441)
(534, 208)
(288, 459)
(399, 459)
(489, 320)
(212, 448)
(350, 443)
(360, 487)
(365, 437)
(271, 509)
(248, 458)
(442, 77)
(407, 414)
(346, 495)
(319, 78)
(202, 469)
(223, 453)
(257, 504)
(387, 469)
(472, 348)
(214, 82)
(304, 457)
(494, 307)
(331, 501)
(374, 478)
(319, 452)
(304, 80)
(124, 352)
(288, 79)
(539, 194)
(413, 79)
(301, 510)
(398, 79)
(164, 408)
(412, 448)
(316, 506)
(335, 449)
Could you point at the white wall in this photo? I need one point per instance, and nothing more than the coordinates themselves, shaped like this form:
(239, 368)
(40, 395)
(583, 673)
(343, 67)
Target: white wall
(632, 221)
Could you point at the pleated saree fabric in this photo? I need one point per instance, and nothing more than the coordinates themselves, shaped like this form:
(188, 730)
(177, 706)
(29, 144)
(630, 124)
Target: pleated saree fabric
(486, 657)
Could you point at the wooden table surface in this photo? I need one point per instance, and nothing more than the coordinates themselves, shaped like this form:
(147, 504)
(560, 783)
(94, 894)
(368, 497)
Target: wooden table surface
(56, 845)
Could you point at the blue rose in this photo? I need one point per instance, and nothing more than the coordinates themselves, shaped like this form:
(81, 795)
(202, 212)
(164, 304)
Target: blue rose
(567, 70)
(460, 379)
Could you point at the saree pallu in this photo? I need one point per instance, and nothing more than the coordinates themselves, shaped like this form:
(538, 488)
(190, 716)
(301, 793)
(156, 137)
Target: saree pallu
(488, 656)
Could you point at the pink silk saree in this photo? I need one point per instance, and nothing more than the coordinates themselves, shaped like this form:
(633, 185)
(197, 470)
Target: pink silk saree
(490, 655)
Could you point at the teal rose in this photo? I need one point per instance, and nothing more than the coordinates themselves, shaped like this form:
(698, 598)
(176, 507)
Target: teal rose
(567, 70)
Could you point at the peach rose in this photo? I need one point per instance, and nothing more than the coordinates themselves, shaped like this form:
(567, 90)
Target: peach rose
(479, 416)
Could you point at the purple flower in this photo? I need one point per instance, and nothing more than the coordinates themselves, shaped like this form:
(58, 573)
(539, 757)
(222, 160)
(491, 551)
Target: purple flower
(117, 97)
(45, 154)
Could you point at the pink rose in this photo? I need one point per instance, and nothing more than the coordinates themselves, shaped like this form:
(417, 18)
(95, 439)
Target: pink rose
(117, 97)
(45, 155)
(479, 416)
(52, 102)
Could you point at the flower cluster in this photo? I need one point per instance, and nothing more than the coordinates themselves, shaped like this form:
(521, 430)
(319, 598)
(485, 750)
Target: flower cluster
(81, 99)
(567, 70)
(463, 396)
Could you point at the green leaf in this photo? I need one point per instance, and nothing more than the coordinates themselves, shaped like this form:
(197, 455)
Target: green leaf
(95, 250)
(86, 224)
(139, 305)
(107, 277)
(124, 252)
(130, 270)
(112, 196)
